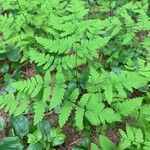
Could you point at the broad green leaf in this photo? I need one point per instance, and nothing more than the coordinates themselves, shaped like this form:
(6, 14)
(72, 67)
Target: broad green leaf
(44, 126)
(14, 55)
(20, 125)
(11, 143)
(4, 68)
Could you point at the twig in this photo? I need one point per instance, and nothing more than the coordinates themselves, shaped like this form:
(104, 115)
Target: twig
(74, 142)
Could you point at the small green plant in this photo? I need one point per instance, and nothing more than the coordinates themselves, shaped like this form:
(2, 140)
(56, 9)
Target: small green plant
(40, 137)
(45, 136)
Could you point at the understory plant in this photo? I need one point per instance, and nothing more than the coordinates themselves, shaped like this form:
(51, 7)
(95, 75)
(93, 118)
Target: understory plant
(91, 61)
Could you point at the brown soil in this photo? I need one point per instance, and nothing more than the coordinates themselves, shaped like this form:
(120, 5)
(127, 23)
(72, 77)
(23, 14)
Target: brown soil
(136, 93)
(113, 135)
(53, 119)
(6, 128)
(73, 137)
(1, 81)
(28, 70)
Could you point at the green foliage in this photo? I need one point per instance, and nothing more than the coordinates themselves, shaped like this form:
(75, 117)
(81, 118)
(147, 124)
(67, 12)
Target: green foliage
(91, 66)
(36, 146)
(133, 136)
(45, 137)
(39, 137)
(11, 143)
(20, 125)
(104, 143)
(39, 109)
(95, 112)
(128, 107)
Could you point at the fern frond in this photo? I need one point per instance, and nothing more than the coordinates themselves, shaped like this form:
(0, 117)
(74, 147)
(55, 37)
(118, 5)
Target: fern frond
(125, 77)
(58, 94)
(47, 78)
(74, 95)
(108, 115)
(23, 103)
(46, 93)
(41, 59)
(106, 143)
(77, 8)
(108, 92)
(31, 86)
(14, 105)
(65, 113)
(79, 115)
(131, 136)
(129, 106)
(94, 111)
(9, 102)
(92, 117)
(57, 46)
(39, 110)
(84, 100)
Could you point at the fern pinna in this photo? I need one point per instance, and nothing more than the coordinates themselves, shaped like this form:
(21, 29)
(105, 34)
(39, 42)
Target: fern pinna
(87, 65)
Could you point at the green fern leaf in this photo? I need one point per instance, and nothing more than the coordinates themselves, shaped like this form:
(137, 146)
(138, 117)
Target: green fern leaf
(39, 110)
(79, 115)
(65, 113)
(57, 97)
(46, 94)
(139, 136)
(74, 95)
(36, 90)
(9, 102)
(129, 106)
(22, 108)
(41, 59)
(105, 143)
(84, 100)
(109, 116)
(132, 136)
(121, 90)
(130, 133)
(32, 86)
(23, 101)
(92, 117)
(47, 78)
(108, 92)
